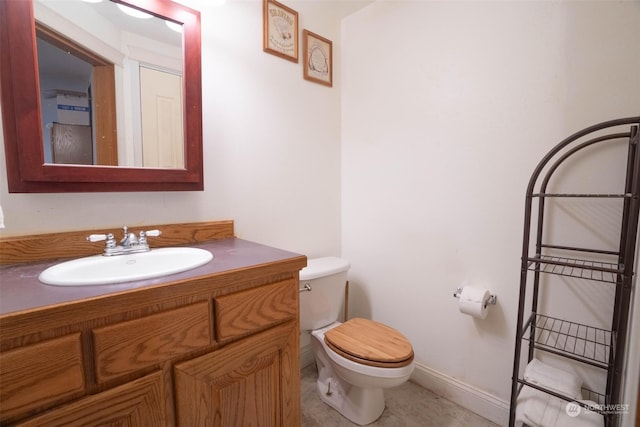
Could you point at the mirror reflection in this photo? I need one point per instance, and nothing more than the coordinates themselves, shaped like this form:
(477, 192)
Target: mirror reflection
(110, 84)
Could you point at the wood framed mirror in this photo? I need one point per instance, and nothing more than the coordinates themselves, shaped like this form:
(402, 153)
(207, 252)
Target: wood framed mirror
(28, 172)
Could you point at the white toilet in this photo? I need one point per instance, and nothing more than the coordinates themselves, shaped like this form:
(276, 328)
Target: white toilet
(357, 359)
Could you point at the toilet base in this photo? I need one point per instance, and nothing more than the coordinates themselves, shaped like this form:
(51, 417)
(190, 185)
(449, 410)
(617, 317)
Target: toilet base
(360, 405)
(356, 391)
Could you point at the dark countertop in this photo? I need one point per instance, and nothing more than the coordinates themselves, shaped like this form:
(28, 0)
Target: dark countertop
(21, 290)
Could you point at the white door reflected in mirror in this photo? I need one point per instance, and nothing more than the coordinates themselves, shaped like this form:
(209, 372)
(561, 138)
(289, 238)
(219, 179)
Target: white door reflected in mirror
(161, 111)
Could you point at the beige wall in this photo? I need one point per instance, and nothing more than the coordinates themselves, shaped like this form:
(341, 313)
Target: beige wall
(447, 108)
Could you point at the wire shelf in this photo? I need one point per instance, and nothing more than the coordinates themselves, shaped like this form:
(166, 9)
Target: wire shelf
(587, 394)
(580, 342)
(577, 342)
(572, 267)
(588, 195)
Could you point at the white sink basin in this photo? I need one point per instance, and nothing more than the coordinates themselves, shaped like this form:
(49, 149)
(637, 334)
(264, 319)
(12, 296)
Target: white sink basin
(103, 270)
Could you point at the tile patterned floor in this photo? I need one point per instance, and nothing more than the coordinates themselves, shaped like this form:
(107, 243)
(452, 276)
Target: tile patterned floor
(407, 406)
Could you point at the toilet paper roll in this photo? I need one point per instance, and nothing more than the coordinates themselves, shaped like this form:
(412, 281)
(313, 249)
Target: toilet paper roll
(472, 302)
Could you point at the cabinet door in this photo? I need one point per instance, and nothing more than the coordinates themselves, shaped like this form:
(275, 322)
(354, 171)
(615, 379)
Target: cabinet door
(252, 382)
(140, 403)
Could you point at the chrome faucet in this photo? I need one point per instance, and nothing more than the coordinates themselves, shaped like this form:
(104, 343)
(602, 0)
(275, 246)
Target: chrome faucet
(129, 244)
(129, 239)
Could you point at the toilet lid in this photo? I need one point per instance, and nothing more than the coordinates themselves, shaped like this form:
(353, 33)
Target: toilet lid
(370, 343)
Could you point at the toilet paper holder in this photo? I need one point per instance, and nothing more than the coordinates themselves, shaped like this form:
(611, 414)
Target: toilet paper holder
(490, 301)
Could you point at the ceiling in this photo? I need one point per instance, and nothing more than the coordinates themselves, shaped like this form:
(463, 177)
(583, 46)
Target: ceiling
(153, 28)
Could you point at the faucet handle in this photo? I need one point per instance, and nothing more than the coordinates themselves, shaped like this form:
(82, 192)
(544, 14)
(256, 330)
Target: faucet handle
(98, 237)
(143, 235)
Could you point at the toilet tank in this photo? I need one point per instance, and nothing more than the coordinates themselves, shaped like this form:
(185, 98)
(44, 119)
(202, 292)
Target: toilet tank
(323, 304)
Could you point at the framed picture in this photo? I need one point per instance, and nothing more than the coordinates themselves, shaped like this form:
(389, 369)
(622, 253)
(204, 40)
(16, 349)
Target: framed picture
(280, 30)
(318, 58)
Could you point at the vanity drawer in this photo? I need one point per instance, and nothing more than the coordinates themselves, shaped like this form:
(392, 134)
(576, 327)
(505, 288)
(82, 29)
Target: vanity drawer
(40, 375)
(136, 344)
(254, 309)
(141, 402)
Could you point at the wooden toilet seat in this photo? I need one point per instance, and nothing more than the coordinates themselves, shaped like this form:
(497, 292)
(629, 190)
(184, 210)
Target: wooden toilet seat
(370, 343)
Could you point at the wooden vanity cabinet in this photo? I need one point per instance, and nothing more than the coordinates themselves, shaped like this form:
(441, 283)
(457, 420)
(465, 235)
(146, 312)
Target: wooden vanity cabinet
(217, 350)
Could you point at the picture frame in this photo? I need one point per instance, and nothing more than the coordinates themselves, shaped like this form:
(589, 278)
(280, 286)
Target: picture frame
(280, 30)
(318, 58)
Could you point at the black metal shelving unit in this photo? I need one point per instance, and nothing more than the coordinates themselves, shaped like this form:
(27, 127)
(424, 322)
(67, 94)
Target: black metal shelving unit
(537, 332)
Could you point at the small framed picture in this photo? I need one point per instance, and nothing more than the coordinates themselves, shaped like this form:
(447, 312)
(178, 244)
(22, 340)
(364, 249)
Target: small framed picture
(318, 58)
(280, 30)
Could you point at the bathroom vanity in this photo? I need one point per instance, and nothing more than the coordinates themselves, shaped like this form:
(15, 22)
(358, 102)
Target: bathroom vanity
(217, 345)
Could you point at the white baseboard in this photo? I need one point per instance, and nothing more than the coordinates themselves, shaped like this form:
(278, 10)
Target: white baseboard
(465, 395)
(306, 356)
